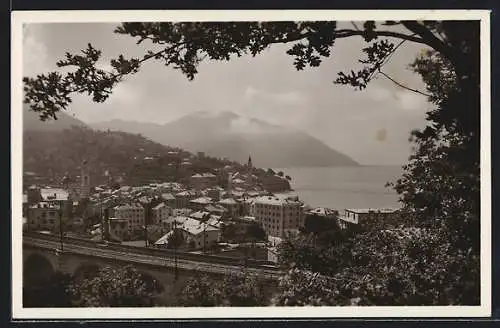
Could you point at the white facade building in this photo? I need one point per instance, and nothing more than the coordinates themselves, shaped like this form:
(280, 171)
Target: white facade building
(134, 214)
(278, 216)
(160, 212)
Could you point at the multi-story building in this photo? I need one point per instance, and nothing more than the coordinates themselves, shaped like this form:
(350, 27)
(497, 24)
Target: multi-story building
(200, 203)
(278, 216)
(214, 194)
(203, 181)
(45, 216)
(160, 212)
(366, 217)
(168, 199)
(232, 206)
(133, 213)
(183, 198)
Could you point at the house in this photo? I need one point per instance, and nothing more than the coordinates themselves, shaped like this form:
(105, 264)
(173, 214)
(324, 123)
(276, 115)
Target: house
(278, 216)
(203, 180)
(168, 199)
(160, 212)
(199, 235)
(45, 216)
(200, 215)
(183, 198)
(200, 203)
(232, 206)
(216, 209)
(133, 213)
(366, 217)
(195, 234)
(213, 193)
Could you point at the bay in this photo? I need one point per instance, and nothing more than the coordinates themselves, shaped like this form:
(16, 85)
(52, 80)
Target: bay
(345, 187)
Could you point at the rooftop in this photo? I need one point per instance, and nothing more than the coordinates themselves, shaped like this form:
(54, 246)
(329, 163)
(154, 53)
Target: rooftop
(274, 200)
(228, 201)
(371, 210)
(54, 194)
(322, 211)
(167, 196)
(202, 200)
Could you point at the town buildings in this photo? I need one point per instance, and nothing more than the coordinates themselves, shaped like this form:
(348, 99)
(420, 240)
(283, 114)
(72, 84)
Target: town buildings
(279, 216)
(195, 234)
(47, 207)
(203, 181)
(183, 198)
(232, 207)
(160, 212)
(133, 213)
(366, 217)
(45, 216)
(200, 203)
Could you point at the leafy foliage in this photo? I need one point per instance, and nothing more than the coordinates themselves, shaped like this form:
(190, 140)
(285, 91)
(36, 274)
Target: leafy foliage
(175, 240)
(390, 267)
(243, 232)
(233, 290)
(113, 287)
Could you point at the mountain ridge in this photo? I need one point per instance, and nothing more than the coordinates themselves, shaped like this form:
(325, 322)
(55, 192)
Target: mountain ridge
(227, 134)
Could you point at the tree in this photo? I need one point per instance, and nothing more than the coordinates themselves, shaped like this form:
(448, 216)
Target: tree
(254, 232)
(232, 290)
(410, 266)
(175, 239)
(201, 291)
(308, 252)
(113, 287)
(270, 171)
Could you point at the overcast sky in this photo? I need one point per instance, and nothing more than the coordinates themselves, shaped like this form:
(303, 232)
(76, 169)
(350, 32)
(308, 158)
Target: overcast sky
(372, 126)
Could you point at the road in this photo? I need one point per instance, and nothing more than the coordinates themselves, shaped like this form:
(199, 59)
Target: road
(155, 260)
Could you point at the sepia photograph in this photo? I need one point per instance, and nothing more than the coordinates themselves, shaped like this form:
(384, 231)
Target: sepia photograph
(288, 164)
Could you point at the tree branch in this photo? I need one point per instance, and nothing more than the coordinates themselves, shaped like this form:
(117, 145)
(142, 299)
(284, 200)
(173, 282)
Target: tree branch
(402, 85)
(345, 33)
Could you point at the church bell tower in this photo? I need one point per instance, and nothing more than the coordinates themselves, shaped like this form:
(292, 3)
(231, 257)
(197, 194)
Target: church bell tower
(85, 180)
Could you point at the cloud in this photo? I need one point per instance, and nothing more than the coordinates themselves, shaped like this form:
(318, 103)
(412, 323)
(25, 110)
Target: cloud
(294, 98)
(399, 98)
(35, 53)
(244, 124)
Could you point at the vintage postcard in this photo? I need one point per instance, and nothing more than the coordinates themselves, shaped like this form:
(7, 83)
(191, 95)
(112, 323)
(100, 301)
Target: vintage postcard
(251, 164)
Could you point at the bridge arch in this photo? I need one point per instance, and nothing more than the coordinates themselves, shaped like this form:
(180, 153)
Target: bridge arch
(37, 270)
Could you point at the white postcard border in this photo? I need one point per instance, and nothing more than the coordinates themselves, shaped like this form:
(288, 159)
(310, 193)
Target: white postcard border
(23, 17)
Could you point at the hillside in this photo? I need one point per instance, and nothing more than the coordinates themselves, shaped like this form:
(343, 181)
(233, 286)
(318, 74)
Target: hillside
(118, 155)
(32, 122)
(229, 135)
